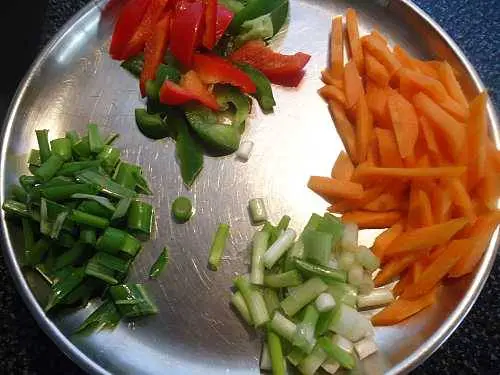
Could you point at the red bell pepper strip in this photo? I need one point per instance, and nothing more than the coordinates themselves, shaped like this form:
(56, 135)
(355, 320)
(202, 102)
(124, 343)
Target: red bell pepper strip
(191, 88)
(113, 6)
(129, 20)
(280, 69)
(210, 23)
(145, 29)
(224, 18)
(186, 30)
(214, 69)
(155, 49)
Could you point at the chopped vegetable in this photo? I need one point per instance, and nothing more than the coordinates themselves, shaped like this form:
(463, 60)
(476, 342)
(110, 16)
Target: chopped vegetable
(259, 246)
(244, 150)
(182, 209)
(132, 300)
(254, 301)
(258, 212)
(218, 245)
(159, 264)
(278, 248)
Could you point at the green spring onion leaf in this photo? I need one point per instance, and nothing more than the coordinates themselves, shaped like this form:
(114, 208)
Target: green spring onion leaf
(159, 264)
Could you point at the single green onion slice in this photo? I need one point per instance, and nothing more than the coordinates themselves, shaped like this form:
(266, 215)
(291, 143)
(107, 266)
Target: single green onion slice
(240, 305)
(218, 245)
(257, 208)
(182, 209)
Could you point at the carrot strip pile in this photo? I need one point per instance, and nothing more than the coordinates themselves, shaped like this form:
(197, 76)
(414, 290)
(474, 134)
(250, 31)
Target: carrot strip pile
(418, 162)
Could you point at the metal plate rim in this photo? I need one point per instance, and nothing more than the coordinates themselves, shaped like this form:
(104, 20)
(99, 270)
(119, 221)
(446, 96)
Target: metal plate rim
(82, 360)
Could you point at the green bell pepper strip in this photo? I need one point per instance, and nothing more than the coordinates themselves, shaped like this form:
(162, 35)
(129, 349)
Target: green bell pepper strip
(264, 93)
(164, 72)
(134, 65)
(253, 10)
(233, 5)
(62, 147)
(151, 125)
(259, 28)
(42, 137)
(279, 16)
(227, 97)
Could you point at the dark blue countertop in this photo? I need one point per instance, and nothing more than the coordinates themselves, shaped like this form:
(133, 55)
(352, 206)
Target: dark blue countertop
(474, 348)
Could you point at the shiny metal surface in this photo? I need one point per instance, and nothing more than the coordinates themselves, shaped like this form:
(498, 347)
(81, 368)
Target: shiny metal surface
(74, 81)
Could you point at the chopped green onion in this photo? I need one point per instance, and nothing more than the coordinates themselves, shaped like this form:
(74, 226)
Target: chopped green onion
(331, 366)
(335, 352)
(58, 225)
(276, 353)
(258, 213)
(45, 225)
(106, 185)
(34, 158)
(313, 361)
(101, 272)
(265, 358)
(283, 326)
(88, 235)
(62, 147)
(367, 284)
(355, 275)
(73, 136)
(115, 240)
(94, 208)
(103, 201)
(132, 300)
(272, 300)
(313, 223)
(317, 246)
(343, 293)
(65, 192)
(84, 218)
(218, 245)
(244, 150)
(18, 193)
(82, 148)
(254, 300)
(49, 168)
(378, 297)
(325, 273)
(331, 224)
(69, 257)
(296, 356)
(125, 175)
(74, 167)
(110, 261)
(367, 259)
(283, 224)
(343, 343)
(295, 252)
(239, 303)
(36, 254)
(259, 247)
(182, 209)
(281, 280)
(325, 302)
(64, 286)
(43, 144)
(351, 324)
(279, 248)
(141, 183)
(159, 264)
(365, 347)
(111, 138)
(28, 234)
(302, 295)
(304, 335)
(109, 158)
(28, 182)
(324, 321)
(140, 217)
(349, 241)
(66, 240)
(15, 208)
(346, 260)
(105, 316)
(121, 208)
(95, 141)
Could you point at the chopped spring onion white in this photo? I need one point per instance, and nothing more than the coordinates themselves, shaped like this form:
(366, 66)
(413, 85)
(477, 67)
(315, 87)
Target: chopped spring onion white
(351, 324)
(265, 358)
(349, 241)
(355, 275)
(367, 259)
(302, 295)
(239, 303)
(365, 347)
(304, 335)
(295, 356)
(259, 247)
(245, 150)
(254, 300)
(367, 284)
(333, 263)
(313, 361)
(279, 247)
(346, 260)
(283, 326)
(343, 343)
(330, 366)
(325, 302)
(377, 297)
(258, 212)
(297, 250)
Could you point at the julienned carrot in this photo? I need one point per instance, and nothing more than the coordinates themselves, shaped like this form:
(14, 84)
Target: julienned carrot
(373, 156)
(453, 108)
(353, 85)
(401, 309)
(385, 238)
(420, 210)
(426, 237)
(388, 148)
(364, 129)
(364, 171)
(369, 194)
(344, 129)
(331, 188)
(447, 77)
(429, 137)
(376, 99)
(404, 58)
(404, 122)
(430, 86)
(382, 53)
(477, 137)
(337, 48)
(354, 41)
(343, 168)
(385, 202)
(487, 190)
(410, 277)
(376, 71)
(328, 79)
(372, 220)
(439, 268)
(425, 68)
(330, 92)
(461, 198)
(394, 267)
(441, 204)
(493, 155)
(453, 130)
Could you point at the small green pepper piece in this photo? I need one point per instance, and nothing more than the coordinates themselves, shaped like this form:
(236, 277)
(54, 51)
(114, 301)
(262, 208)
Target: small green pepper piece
(151, 125)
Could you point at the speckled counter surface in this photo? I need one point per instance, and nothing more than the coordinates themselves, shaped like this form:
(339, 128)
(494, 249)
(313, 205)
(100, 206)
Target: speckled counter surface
(474, 348)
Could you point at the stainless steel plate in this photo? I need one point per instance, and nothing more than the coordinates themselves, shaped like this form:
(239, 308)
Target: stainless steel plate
(74, 81)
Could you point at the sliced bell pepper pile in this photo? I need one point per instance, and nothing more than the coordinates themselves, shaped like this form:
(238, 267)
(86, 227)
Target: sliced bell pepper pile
(155, 49)
(214, 69)
(224, 18)
(210, 23)
(191, 88)
(286, 70)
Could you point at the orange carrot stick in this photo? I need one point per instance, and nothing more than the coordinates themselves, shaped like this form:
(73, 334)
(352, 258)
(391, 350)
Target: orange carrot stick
(425, 238)
(344, 129)
(461, 198)
(404, 58)
(353, 85)
(430, 86)
(426, 217)
(488, 190)
(354, 42)
(376, 71)
(328, 79)
(364, 171)
(394, 267)
(364, 129)
(343, 168)
(376, 98)
(385, 238)
(438, 269)
(405, 123)
(477, 139)
(330, 92)
(453, 130)
(493, 155)
(429, 137)
(456, 110)
(388, 148)
(337, 48)
(447, 77)
(402, 309)
(426, 68)
(385, 202)
(331, 188)
(441, 204)
(382, 53)
(372, 220)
